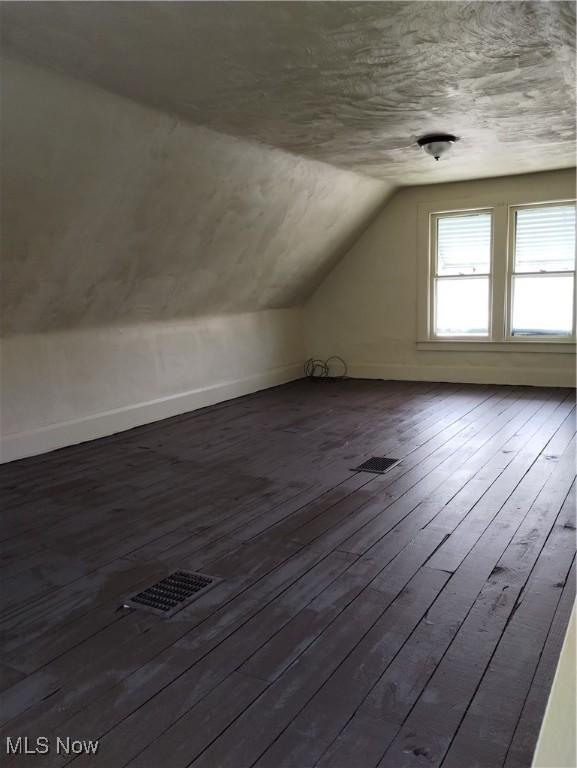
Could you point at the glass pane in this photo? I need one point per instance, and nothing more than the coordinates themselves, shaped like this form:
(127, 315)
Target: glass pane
(464, 244)
(545, 239)
(543, 306)
(462, 307)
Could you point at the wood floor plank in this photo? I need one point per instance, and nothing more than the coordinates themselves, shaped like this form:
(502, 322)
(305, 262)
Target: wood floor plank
(450, 475)
(120, 649)
(516, 657)
(202, 724)
(396, 494)
(322, 719)
(165, 689)
(532, 458)
(522, 747)
(260, 725)
(433, 720)
(337, 597)
(135, 690)
(362, 620)
(363, 738)
(279, 653)
(398, 688)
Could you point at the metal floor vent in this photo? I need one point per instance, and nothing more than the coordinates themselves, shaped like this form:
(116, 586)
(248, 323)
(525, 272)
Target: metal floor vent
(172, 593)
(377, 464)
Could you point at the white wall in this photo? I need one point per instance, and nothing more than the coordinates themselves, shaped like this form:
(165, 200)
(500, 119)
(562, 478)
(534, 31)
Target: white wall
(144, 258)
(69, 386)
(366, 310)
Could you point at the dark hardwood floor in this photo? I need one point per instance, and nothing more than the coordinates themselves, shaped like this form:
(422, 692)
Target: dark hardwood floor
(363, 621)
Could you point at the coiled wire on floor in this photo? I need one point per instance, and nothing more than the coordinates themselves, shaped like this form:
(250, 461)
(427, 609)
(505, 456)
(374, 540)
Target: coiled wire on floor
(333, 369)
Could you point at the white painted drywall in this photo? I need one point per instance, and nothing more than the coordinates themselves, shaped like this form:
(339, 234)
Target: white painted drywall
(113, 212)
(145, 259)
(66, 387)
(366, 309)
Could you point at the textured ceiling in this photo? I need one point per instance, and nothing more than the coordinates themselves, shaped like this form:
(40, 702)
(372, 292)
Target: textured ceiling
(351, 84)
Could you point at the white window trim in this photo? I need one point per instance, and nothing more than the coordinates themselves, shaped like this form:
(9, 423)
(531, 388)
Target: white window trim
(499, 317)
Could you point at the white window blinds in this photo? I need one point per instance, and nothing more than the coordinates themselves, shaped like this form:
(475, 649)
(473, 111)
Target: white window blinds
(464, 244)
(545, 239)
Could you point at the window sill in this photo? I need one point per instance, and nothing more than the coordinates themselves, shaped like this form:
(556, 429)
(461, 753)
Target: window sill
(481, 345)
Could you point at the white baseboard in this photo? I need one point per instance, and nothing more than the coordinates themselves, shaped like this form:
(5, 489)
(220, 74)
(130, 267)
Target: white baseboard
(22, 444)
(534, 377)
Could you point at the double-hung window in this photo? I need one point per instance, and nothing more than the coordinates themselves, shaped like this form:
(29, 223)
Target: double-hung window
(461, 285)
(542, 271)
(502, 274)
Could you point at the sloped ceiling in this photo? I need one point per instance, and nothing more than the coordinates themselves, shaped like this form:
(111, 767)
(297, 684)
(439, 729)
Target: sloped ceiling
(350, 84)
(115, 213)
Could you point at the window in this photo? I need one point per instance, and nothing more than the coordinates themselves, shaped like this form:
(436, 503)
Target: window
(542, 271)
(500, 274)
(462, 274)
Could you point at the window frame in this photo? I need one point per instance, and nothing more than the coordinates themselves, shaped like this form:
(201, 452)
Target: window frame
(434, 276)
(499, 339)
(511, 274)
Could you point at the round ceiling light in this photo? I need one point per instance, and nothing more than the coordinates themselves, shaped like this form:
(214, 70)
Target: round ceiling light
(436, 144)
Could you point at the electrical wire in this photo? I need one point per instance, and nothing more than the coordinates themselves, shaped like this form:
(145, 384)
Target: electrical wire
(320, 370)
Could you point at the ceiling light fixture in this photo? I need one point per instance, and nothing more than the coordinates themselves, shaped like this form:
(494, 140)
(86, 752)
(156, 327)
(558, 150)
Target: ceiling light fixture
(436, 144)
